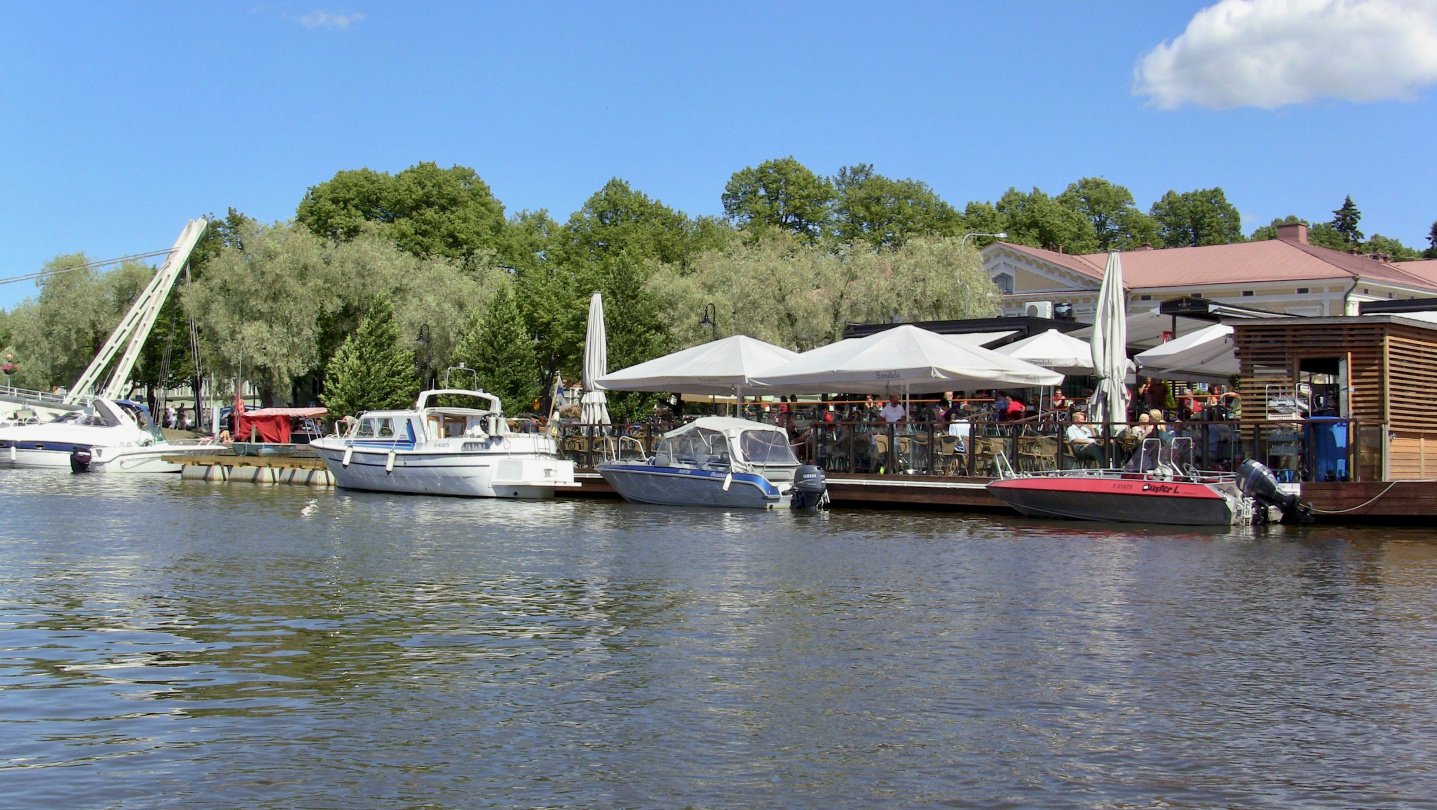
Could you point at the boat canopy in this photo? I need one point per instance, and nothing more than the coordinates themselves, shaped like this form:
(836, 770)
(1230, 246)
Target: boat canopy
(720, 441)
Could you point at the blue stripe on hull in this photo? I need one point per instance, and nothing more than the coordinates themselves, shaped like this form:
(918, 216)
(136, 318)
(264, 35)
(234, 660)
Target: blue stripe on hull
(679, 486)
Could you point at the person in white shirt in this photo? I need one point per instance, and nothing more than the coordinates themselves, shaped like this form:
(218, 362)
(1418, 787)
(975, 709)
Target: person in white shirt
(1080, 436)
(893, 410)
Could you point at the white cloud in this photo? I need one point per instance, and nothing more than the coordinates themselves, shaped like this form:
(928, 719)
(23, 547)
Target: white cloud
(1269, 53)
(323, 19)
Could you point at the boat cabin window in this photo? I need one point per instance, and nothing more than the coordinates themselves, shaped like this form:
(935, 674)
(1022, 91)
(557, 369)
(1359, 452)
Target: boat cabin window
(365, 429)
(766, 447)
(384, 427)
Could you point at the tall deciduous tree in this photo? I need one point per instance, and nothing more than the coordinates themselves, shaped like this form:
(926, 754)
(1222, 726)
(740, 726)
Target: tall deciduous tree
(878, 210)
(617, 219)
(1344, 222)
(426, 210)
(1195, 218)
(497, 344)
(1431, 251)
(780, 193)
(372, 369)
(1116, 222)
(1038, 220)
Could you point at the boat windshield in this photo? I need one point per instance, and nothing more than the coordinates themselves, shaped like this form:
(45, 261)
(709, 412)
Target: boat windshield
(82, 418)
(766, 447)
(697, 448)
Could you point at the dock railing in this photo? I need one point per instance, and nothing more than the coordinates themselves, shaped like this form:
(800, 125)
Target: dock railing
(1296, 450)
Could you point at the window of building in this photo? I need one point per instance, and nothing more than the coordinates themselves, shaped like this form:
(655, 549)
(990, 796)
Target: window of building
(1145, 298)
(1004, 282)
(1197, 295)
(1303, 290)
(1246, 293)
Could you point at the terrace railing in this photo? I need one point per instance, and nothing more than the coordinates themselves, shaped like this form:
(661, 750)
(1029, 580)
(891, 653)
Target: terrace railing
(1296, 450)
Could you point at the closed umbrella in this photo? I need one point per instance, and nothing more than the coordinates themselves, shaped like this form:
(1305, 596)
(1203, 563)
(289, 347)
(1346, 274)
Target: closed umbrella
(595, 406)
(1109, 347)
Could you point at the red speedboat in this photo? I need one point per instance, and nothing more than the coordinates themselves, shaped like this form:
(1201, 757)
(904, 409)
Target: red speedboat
(1158, 487)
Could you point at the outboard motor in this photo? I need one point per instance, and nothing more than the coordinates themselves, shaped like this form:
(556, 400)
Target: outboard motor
(1257, 482)
(80, 459)
(810, 488)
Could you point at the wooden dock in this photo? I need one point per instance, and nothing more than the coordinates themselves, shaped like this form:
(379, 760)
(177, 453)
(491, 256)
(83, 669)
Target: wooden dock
(1334, 502)
(299, 470)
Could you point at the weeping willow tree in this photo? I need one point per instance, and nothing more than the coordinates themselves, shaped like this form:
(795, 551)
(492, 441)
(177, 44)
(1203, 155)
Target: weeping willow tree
(801, 296)
(372, 370)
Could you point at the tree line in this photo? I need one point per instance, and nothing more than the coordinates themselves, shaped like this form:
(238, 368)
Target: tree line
(406, 274)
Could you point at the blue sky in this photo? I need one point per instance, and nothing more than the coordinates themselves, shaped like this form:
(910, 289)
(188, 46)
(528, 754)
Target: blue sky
(119, 121)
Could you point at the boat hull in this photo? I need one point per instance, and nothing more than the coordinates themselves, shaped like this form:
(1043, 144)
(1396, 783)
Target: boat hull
(459, 474)
(679, 486)
(1119, 500)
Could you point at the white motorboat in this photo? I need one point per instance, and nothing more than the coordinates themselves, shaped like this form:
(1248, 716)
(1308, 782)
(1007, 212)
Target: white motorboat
(108, 436)
(718, 461)
(439, 449)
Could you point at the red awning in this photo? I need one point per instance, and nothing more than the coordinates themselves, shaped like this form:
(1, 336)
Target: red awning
(271, 424)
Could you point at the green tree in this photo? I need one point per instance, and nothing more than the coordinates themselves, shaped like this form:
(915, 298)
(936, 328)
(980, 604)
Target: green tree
(981, 217)
(780, 193)
(497, 344)
(1323, 234)
(926, 278)
(616, 220)
(1038, 220)
(1344, 222)
(635, 329)
(1431, 251)
(1196, 218)
(372, 370)
(426, 210)
(878, 210)
(1116, 222)
(1392, 248)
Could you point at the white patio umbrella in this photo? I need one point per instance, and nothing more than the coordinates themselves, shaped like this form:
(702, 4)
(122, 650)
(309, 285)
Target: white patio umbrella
(721, 367)
(1207, 355)
(1053, 350)
(898, 360)
(1109, 347)
(594, 405)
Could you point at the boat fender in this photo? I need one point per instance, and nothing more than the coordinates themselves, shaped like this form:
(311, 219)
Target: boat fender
(348, 454)
(389, 462)
(12, 452)
(727, 482)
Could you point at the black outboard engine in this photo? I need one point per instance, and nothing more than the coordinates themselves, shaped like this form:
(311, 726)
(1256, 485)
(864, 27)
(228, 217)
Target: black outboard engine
(810, 488)
(1257, 482)
(80, 459)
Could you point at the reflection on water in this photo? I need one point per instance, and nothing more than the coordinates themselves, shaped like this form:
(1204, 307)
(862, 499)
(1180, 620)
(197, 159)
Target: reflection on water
(175, 644)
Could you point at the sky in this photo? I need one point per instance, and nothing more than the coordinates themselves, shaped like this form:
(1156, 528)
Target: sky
(121, 121)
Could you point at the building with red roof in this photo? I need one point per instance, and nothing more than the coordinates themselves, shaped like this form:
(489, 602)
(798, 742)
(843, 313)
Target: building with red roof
(1285, 275)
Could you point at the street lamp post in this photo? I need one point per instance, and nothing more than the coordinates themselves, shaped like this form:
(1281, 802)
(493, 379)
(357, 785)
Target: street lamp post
(710, 319)
(967, 236)
(426, 339)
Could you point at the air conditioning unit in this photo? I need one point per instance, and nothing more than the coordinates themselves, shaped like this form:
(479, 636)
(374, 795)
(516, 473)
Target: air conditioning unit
(1039, 309)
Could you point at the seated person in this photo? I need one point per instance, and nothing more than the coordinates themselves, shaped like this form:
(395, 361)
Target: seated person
(1084, 443)
(1160, 430)
(1143, 429)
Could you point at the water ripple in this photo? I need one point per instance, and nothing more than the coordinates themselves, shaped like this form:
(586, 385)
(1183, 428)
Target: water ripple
(174, 644)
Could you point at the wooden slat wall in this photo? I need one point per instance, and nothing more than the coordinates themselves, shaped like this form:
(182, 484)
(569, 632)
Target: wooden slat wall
(1412, 379)
(1278, 348)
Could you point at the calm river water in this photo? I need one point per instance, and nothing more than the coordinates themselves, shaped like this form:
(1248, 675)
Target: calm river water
(177, 644)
